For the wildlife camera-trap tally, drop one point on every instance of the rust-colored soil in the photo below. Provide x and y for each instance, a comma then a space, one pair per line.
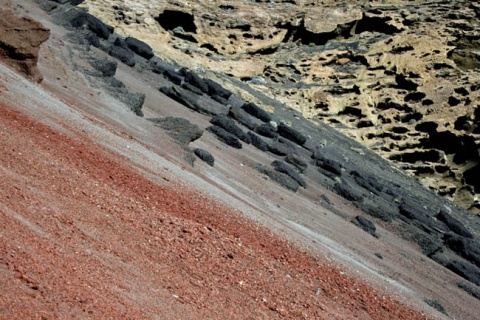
83, 235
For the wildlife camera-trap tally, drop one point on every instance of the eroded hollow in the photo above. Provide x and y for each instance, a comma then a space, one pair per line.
171, 19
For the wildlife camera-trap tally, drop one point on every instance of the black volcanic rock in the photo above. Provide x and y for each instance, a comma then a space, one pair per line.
281, 178
465, 270
82, 19
281, 147
229, 125
467, 248
282, 167
237, 113
214, 89
257, 112
124, 55
348, 190
296, 161
267, 130
202, 104
103, 65
139, 47
366, 225
173, 76
181, 130
454, 224
257, 142
225, 137
415, 211
194, 80
205, 156
291, 134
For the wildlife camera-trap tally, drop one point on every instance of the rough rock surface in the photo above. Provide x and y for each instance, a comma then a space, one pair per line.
75, 123
401, 77
20, 40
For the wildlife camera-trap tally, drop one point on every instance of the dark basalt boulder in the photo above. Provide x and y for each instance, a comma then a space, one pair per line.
194, 80
291, 134
237, 113
415, 211
180, 129
257, 142
84, 20
470, 289
267, 130
104, 66
229, 125
296, 161
326, 164
159, 66
378, 208
202, 104
436, 305
124, 55
135, 101
324, 200
368, 181
454, 224
48, 6
348, 190
465, 270
225, 136
257, 112
173, 76
205, 156
139, 47
214, 89
280, 178
429, 244
194, 89
281, 147
366, 225
282, 167
465, 247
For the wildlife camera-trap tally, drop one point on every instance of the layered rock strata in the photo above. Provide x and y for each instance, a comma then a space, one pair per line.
303, 150
400, 77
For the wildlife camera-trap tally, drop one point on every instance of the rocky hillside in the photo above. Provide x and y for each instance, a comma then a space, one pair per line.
401, 77
140, 186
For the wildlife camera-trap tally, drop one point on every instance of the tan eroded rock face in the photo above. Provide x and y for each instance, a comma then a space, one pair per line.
20, 40
401, 77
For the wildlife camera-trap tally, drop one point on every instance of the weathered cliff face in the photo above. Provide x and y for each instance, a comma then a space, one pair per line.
399, 76
20, 40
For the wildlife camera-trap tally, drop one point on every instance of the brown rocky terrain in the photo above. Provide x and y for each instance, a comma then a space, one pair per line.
107, 210
20, 40
401, 77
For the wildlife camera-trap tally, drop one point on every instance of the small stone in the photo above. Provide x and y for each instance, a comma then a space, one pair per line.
343, 61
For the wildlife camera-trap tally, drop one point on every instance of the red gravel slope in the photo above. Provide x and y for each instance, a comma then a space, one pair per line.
83, 235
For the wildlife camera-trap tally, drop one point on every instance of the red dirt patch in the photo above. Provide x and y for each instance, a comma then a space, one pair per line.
84, 235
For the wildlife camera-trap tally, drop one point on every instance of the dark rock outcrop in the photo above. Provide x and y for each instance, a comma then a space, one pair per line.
229, 125
139, 47
257, 112
181, 130
125, 55
282, 167
281, 178
205, 156
291, 134
257, 142
365, 224
225, 136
